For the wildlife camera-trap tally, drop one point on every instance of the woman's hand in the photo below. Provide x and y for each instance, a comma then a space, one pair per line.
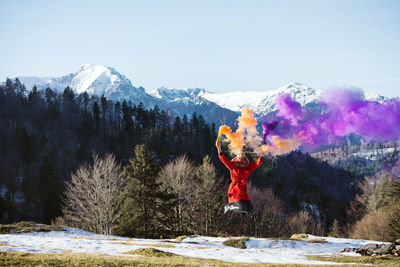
262, 152
218, 145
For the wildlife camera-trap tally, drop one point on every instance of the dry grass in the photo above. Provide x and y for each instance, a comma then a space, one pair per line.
236, 242
304, 238
150, 252
97, 260
145, 245
316, 240
6, 245
27, 227
299, 236
180, 238
388, 261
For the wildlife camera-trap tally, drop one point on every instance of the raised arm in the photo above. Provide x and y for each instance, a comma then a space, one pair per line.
225, 161
254, 165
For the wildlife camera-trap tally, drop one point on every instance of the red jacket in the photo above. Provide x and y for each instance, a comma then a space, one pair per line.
238, 188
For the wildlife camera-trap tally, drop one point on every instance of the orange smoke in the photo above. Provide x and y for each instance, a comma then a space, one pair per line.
223, 129
281, 146
246, 126
247, 122
235, 139
266, 149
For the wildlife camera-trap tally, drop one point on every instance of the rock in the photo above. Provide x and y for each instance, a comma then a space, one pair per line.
349, 250
397, 242
396, 250
377, 249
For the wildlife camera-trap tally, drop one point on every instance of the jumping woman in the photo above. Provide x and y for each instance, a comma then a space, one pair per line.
240, 169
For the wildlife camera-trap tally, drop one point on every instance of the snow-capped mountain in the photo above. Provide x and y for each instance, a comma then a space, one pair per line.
236, 100
260, 102
102, 80
264, 102
95, 80
214, 107
171, 94
301, 93
187, 101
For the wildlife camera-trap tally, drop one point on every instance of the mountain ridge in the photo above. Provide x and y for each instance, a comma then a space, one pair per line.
103, 80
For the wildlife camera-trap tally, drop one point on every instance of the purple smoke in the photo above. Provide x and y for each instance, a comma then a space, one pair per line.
343, 112
289, 109
267, 127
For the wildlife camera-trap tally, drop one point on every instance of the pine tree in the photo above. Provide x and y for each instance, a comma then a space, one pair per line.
96, 115
117, 109
34, 96
334, 230
68, 98
49, 95
104, 110
85, 102
19, 88
127, 118
49, 192
25, 146
9, 87
2, 207
141, 196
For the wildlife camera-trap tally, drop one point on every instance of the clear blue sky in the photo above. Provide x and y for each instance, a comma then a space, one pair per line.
218, 45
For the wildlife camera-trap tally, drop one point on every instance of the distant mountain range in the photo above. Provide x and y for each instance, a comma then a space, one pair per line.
214, 107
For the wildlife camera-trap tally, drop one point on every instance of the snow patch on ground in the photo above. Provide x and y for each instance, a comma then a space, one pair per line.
259, 250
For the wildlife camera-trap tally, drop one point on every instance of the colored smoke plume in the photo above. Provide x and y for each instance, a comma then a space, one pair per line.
280, 145
344, 111
224, 130
267, 127
246, 133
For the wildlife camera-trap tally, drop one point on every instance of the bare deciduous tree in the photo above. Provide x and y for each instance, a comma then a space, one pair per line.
370, 200
267, 220
177, 177
302, 223
91, 197
373, 226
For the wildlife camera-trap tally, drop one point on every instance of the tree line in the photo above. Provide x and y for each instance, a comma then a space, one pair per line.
46, 135
143, 199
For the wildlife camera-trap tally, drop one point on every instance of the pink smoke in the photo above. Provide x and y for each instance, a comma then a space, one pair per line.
344, 111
